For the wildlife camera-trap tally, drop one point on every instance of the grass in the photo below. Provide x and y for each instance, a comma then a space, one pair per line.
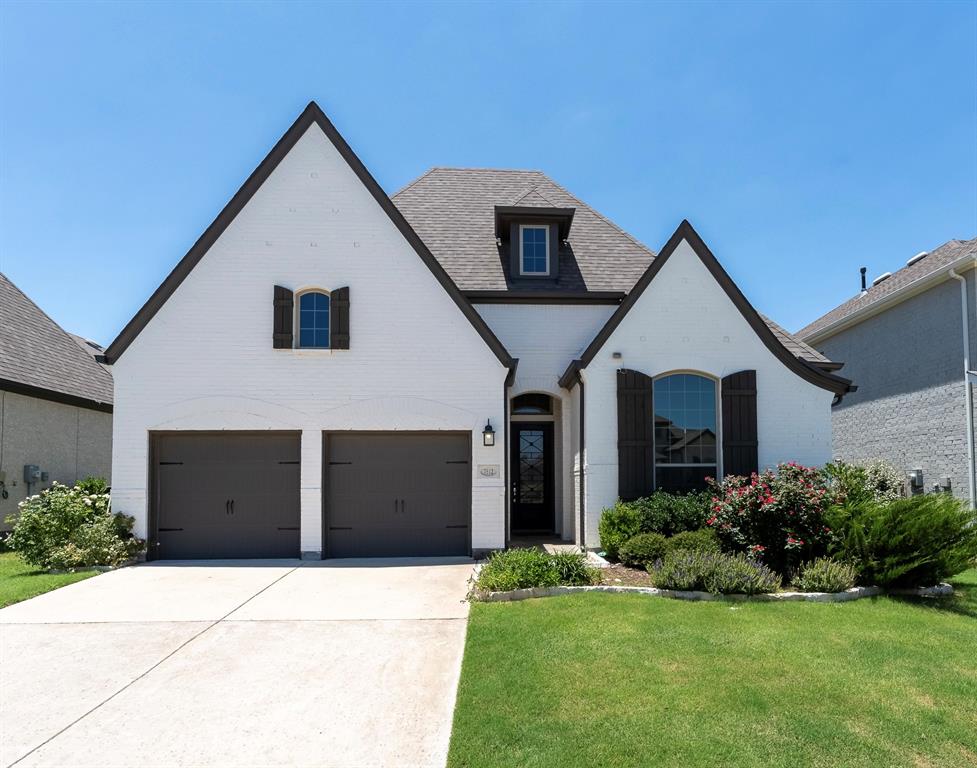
625, 680
19, 581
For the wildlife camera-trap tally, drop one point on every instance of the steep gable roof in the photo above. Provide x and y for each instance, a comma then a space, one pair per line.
808, 371
902, 280
452, 209
312, 115
40, 359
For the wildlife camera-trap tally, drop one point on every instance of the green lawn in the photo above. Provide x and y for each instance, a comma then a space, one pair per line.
625, 680
18, 581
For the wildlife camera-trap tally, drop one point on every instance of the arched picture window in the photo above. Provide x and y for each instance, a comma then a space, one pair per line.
532, 404
313, 320
685, 431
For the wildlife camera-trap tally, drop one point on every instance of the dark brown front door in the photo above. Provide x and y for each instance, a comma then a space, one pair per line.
226, 495
397, 494
531, 454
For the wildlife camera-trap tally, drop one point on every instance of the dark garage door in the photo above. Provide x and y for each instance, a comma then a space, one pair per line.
397, 495
231, 494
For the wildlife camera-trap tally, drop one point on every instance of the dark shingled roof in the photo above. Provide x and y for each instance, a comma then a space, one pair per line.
453, 212
36, 353
935, 260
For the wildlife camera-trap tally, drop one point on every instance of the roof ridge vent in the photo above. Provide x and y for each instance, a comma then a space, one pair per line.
884, 276
916, 258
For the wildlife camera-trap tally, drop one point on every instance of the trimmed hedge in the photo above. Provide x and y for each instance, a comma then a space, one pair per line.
644, 549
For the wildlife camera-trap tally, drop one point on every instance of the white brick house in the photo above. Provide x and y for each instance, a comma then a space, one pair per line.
331, 372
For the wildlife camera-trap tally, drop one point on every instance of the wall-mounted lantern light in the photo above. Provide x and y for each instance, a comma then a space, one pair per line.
488, 434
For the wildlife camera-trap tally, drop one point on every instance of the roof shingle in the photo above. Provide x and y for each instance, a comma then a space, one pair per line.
36, 352
932, 262
453, 212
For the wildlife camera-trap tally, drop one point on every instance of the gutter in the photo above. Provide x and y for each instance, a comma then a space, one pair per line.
896, 297
968, 388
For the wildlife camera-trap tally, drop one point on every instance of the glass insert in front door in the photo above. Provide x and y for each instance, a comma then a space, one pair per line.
532, 472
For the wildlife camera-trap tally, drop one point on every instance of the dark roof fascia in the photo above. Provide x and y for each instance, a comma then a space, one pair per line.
807, 371
571, 376
527, 213
510, 377
64, 398
545, 297
828, 366
311, 114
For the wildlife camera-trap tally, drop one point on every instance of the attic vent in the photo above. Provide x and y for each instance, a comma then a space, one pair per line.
881, 278
916, 258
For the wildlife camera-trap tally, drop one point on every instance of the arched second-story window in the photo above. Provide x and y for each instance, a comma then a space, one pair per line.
685, 431
313, 320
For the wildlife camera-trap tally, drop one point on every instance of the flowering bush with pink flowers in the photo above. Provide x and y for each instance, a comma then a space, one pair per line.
776, 517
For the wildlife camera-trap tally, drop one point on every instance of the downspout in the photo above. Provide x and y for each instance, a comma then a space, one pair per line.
968, 389
583, 474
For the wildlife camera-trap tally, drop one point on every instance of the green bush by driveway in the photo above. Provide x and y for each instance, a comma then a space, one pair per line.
625, 680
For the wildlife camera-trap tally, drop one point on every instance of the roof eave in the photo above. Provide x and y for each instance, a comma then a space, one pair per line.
312, 114
873, 308
685, 231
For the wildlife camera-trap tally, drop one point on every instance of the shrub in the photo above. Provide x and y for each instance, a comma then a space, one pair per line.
618, 524
661, 512
523, 568
572, 569
778, 518
642, 550
876, 481
670, 513
825, 575
703, 540
64, 527
911, 542
713, 572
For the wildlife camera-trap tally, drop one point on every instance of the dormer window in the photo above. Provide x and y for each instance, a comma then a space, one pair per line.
534, 249
529, 240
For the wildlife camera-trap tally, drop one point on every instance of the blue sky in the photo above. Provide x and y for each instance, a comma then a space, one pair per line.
802, 140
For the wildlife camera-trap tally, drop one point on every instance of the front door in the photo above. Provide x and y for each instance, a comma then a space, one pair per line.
531, 454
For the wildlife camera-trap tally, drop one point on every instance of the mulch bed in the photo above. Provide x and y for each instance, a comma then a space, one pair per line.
622, 576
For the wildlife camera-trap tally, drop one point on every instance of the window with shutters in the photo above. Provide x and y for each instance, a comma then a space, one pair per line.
685, 407
313, 320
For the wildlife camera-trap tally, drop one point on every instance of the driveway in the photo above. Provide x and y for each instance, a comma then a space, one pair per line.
333, 663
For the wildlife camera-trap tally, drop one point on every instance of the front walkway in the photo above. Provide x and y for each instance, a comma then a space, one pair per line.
237, 663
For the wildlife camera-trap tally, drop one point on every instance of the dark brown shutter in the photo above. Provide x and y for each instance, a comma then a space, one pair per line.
282, 338
339, 318
739, 424
635, 435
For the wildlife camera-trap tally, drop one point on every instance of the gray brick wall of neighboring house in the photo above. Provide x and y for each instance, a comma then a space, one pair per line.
909, 408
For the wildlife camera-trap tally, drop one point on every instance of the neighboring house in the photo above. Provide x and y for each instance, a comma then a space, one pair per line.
333, 372
55, 402
908, 342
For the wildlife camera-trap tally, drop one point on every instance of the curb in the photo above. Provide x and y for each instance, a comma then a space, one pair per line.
855, 593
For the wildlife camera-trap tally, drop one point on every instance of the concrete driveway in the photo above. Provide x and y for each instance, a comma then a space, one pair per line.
338, 663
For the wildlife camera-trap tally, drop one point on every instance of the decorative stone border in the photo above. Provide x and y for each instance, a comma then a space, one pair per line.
855, 593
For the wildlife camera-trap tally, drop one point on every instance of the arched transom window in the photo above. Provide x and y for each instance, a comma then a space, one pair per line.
314, 320
685, 431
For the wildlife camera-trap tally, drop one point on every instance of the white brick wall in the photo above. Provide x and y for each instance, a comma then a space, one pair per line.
545, 338
685, 321
205, 361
